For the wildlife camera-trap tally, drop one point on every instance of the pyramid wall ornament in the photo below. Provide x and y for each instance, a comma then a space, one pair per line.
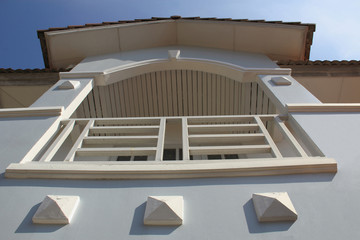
164, 210
56, 209
282, 81
275, 206
69, 84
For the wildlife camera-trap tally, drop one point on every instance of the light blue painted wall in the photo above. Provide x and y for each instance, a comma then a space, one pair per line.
327, 204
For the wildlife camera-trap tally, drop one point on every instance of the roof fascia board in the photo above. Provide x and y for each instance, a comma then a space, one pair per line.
120, 25
125, 25
253, 24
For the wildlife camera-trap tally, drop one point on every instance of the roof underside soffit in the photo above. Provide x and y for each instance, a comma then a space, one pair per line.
277, 41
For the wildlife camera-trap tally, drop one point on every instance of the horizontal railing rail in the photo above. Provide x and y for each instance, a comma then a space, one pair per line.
203, 137
173, 147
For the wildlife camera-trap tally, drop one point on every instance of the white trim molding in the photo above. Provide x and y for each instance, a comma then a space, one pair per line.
31, 112
172, 170
323, 107
116, 74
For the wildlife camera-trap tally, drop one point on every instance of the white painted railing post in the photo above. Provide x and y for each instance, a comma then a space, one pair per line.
54, 147
161, 140
70, 156
274, 149
288, 135
185, 139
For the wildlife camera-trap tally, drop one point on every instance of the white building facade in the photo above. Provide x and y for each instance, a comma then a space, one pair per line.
194, 112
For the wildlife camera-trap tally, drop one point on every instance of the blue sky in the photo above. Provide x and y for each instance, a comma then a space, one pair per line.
337, 35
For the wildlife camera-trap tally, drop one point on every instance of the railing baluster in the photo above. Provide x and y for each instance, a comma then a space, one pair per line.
51, 151
205, 133
274, 149
161, 140
185, 139
287, 134
70, 156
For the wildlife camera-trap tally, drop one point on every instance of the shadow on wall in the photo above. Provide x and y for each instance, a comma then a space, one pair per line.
27, 226
138, 227
256, 227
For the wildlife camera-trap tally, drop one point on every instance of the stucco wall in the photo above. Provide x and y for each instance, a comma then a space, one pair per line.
217, 208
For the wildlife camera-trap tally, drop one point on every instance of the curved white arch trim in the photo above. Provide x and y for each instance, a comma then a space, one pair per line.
235, 72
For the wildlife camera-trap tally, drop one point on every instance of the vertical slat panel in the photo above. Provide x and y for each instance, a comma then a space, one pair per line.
80, 113
195, 93
179, 93
272, 108
199, 93
149, 94
97, 103
253, 98
247, 98
204, 91
242, 97
190, 81
120, 88
213, 94
86, 107
223, 95
237, 93
174, 93
117, 100
135, 96
227, 96
112, 100
231, 96
128, 109
169, 93
154, 94
260, 94
144, 94
209, 93
218, 95
184, 92
140, 96
108, 101
164, 93
92, 104
159, 93
265, 104
102, 98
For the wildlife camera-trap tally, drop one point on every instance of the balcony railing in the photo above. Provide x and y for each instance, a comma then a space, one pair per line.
242, 145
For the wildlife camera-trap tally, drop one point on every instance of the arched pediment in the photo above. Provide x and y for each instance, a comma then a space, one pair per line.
239, 66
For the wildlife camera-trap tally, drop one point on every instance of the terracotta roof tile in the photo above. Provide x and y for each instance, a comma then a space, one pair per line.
35, 70
175, 17
319, 62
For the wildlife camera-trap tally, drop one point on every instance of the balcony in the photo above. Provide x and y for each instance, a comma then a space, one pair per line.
173, 147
